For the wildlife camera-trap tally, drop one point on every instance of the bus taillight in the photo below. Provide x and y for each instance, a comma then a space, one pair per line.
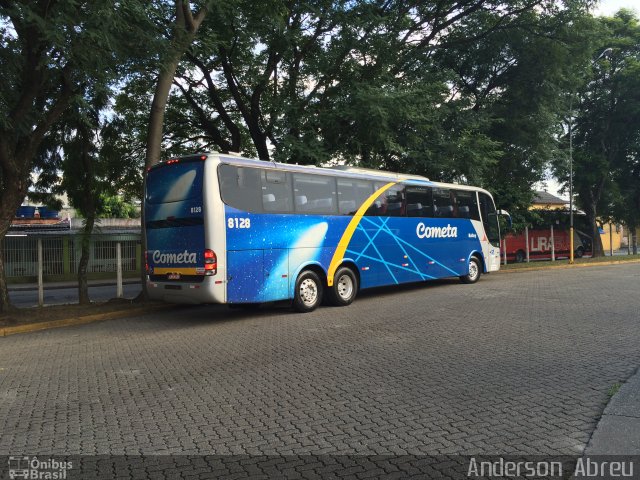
210, 262
146, 262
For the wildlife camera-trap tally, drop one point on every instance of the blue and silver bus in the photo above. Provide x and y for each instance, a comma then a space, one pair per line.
221, 228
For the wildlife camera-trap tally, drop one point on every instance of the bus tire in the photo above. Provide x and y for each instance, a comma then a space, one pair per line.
579, 252
307, 294
520, 256
475, 270
344, 289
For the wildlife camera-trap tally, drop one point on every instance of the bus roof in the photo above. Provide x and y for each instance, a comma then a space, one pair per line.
338, 171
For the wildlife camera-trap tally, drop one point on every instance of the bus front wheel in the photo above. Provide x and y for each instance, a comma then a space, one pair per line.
308, 292
344, 289
475, 270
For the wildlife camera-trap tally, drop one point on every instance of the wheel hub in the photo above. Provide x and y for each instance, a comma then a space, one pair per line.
345, 287
473, 270
308, 292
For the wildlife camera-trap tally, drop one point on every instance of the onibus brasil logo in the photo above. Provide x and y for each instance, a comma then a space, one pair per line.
36, 469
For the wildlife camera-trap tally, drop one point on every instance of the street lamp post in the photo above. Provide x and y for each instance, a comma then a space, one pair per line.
571, 181
605, 53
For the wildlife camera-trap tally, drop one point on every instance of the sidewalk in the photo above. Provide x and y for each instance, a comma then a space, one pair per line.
21, 287
618, 432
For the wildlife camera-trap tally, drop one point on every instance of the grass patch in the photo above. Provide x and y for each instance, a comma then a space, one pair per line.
614, 389
549, 263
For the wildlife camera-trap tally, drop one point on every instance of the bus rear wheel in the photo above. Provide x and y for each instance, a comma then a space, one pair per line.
474, 271
344, 289
308, 292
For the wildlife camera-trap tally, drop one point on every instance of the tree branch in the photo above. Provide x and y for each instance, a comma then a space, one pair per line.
204, 120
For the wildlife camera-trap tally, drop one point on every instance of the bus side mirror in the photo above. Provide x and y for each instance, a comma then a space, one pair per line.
504, 213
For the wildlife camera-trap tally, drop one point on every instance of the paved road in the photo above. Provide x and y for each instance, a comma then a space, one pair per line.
519, 363
59, 296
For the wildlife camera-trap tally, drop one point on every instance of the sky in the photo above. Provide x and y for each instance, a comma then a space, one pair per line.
609, 7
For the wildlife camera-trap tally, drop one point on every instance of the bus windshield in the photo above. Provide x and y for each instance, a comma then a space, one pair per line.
175, 183
490, 219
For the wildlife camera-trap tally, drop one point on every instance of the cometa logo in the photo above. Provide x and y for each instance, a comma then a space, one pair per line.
422, 231
164, 258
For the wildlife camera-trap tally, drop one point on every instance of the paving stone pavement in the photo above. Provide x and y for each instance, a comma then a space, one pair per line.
517, 364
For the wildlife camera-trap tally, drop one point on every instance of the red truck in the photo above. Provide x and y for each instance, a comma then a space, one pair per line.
540, 245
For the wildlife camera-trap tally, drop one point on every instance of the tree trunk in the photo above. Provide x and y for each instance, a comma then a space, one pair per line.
5, 303
634, 240
186, 27
83, 284
158, 107
10, 199
591, 210
598, 249
144, 294
154, 146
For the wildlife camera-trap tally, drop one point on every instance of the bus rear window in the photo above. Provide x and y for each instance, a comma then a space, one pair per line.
175, 183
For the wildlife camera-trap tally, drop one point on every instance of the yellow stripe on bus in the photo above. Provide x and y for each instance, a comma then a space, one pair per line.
182, 271
338, 255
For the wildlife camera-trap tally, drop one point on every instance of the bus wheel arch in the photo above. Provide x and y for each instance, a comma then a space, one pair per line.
483, 264
520, 256
346, 284
309, 288
475, 270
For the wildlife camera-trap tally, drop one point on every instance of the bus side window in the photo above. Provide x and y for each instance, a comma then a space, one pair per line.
240, 187
352, 194
467, 204
443, 206
314, 194
390, 203
277, 194
419, 201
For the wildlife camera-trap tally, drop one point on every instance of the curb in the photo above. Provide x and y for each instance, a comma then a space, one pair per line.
618, 430
575, 265
69, 322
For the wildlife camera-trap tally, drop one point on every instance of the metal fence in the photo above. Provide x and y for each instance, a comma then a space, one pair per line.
102, 255
61, 254
20, 257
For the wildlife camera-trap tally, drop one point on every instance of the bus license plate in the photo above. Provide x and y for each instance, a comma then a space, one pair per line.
173, 276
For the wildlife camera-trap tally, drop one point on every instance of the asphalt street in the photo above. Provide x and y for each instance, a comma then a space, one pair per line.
519, 363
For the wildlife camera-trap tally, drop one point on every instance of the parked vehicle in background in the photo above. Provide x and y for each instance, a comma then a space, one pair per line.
540, 245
